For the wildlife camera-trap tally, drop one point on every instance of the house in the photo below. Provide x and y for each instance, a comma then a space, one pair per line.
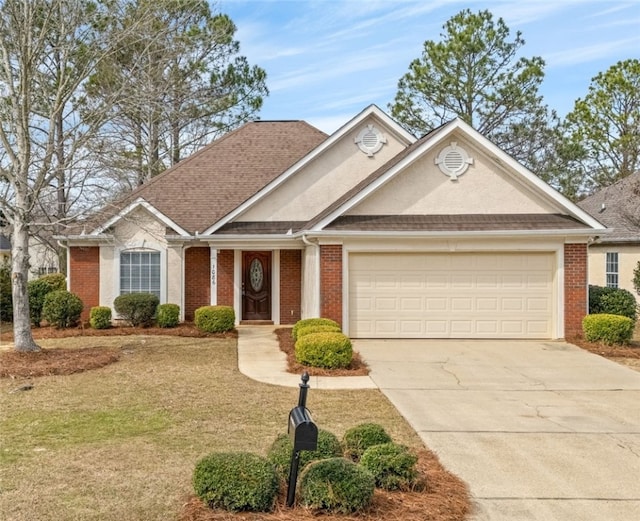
43, 259
613, 257
392, 236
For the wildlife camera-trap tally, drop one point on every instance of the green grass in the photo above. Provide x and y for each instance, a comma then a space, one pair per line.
121, 442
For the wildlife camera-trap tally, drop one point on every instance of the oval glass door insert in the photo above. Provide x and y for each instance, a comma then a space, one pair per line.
256, 275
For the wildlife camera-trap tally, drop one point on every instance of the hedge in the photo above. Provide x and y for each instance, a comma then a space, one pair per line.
606, 328
215, 319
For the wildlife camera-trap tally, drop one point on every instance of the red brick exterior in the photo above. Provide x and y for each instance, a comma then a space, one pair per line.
225, 278
84, 276
197, 280
290, 286
575, 288
331, 282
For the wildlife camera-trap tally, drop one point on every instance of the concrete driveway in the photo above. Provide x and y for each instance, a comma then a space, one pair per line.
539, 430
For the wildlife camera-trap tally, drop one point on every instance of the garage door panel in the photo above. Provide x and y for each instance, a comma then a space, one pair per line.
451, 295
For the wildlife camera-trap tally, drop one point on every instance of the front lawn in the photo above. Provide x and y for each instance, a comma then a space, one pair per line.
120, 442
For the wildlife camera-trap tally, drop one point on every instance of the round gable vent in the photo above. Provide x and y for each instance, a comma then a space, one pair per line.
370, 140
453, 161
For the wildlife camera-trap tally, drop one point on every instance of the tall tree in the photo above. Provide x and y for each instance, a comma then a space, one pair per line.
605, 125
186, 84
474, 73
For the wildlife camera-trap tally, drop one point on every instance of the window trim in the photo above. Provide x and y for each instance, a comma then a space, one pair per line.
145, 246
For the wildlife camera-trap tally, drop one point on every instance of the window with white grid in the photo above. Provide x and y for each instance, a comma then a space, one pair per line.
612, 269
140, 272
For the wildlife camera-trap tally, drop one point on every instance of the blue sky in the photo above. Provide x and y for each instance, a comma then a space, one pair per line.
326, 60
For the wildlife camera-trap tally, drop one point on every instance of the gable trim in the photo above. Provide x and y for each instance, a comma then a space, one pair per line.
140, 203
371, 110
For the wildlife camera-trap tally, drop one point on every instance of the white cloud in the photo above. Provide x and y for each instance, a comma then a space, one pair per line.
588, 53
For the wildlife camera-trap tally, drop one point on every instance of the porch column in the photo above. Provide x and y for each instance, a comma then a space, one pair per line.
311, 281
214, 275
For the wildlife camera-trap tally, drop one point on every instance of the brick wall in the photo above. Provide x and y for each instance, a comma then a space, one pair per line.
331, 282
575, 288
290, 286
84, 278
225, 278
197, 280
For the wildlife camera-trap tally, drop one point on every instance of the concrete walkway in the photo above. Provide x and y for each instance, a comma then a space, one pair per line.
260, 358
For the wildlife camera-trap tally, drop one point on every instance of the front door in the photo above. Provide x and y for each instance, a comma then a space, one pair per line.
256, 285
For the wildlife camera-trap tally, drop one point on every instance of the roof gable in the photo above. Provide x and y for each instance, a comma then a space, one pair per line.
527, 183
370, 114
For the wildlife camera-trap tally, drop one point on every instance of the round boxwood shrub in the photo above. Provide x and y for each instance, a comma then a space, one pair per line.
236, 481
38, 289
328, 350
308, 330
215, 319
306, 322
62, 308
168, 315
359, 438
606, 328
282, 448
137, 308
613, 301
393, 466
336, 485
100, 317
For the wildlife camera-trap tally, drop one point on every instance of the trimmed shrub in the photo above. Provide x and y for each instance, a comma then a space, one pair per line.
236, 481
215, 319
612, 301
336, 485
393, 466
305, 322
282, 449
328, 350
137, 308
309, 330
607, 328
62, 308
6, 299
359, 438
168, 315
38, 290
100, 317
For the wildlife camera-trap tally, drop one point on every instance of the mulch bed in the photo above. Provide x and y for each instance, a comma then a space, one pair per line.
443, 497
632, 350
356, 368
48, 362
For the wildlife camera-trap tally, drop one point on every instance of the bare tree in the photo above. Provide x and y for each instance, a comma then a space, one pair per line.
48, 51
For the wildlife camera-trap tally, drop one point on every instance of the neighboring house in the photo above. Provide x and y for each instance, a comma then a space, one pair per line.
42, 258
5, 249
444, 237
613, 257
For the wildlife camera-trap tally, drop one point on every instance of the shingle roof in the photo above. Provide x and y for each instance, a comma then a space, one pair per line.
457, 223
207, 185
617, 207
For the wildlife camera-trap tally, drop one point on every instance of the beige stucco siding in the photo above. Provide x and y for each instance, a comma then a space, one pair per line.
422, 189
321, 182
140, 230
628, 258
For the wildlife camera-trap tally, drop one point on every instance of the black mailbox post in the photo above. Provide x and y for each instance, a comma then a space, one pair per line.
304, 436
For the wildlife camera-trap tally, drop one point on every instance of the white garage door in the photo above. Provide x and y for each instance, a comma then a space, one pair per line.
454, 295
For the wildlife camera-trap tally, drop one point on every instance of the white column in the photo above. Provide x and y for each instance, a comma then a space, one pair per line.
311, 282
213, 271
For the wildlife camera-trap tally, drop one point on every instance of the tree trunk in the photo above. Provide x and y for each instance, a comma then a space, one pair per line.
22, 336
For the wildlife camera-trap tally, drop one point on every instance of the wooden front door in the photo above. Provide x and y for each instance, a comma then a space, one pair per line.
256, 285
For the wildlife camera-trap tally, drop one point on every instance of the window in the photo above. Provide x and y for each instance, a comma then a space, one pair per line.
612, 269
47, 270
140, 272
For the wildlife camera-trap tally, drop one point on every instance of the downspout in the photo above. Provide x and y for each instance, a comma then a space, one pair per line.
315, 311
68, 262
